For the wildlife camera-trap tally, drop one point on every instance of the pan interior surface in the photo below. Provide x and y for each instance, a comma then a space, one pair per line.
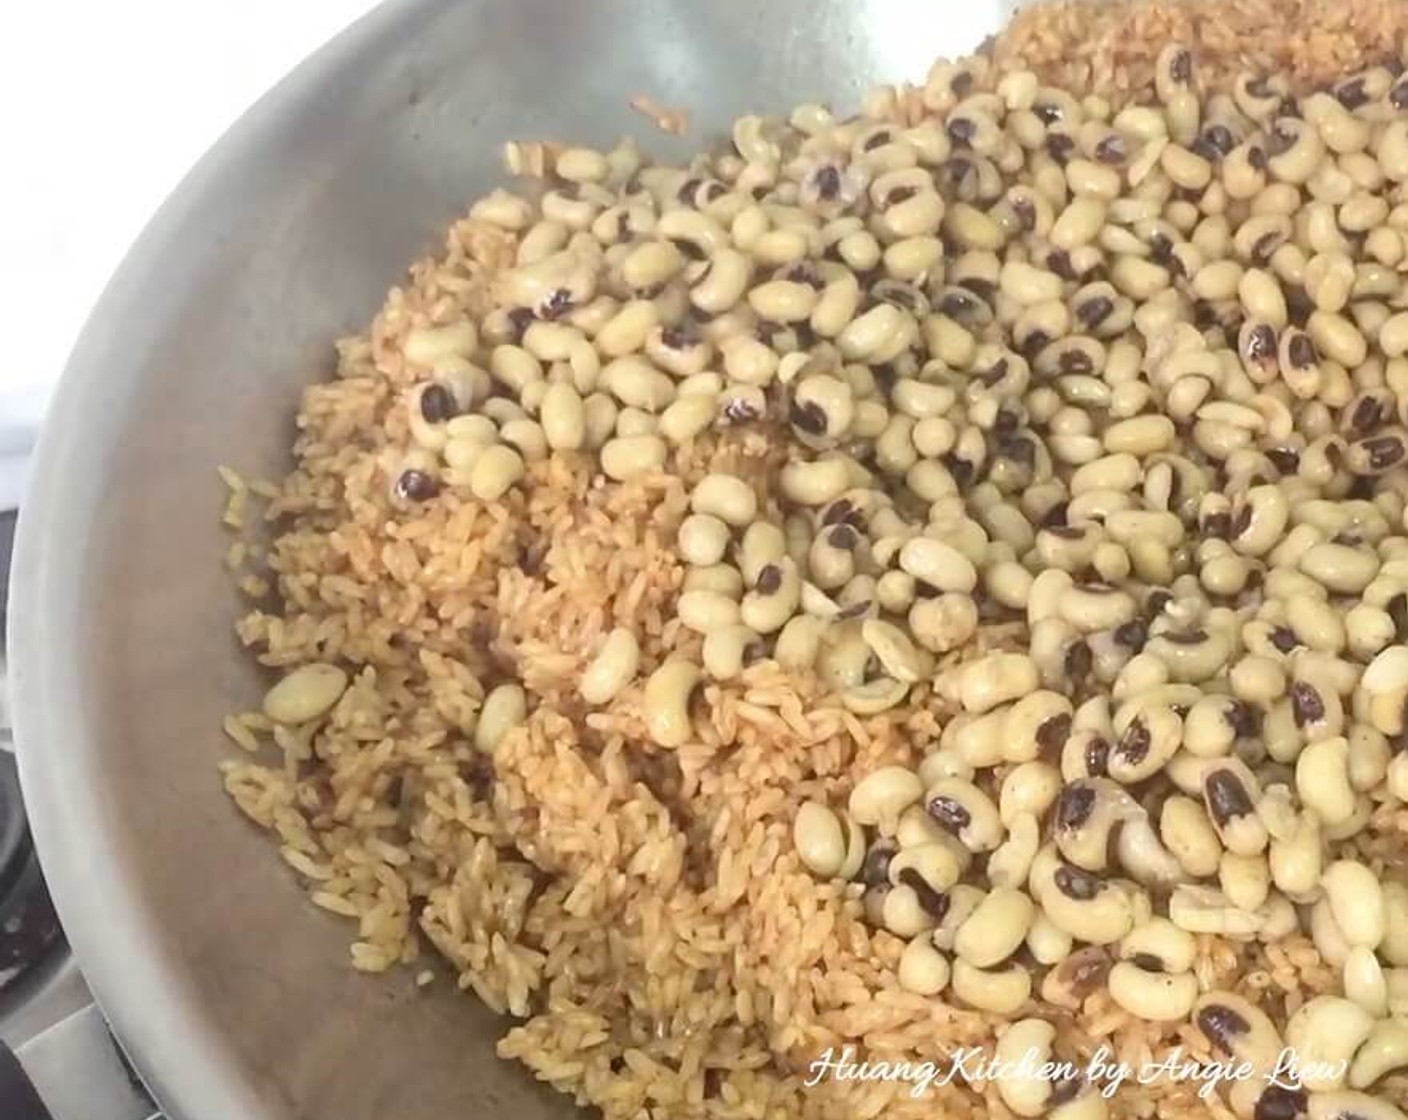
232, 993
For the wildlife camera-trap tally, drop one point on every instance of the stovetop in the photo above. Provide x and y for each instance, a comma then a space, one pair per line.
58, 1061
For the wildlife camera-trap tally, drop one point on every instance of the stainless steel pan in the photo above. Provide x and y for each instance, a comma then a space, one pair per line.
232, 994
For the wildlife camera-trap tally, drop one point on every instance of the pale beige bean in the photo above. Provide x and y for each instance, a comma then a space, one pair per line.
998, 991
819, 840
305, 694
1324, 1034
613, 667
1152, 996
627, 457
883, 794
505, 708
996, 929
1356, 901
666, 702
923, 969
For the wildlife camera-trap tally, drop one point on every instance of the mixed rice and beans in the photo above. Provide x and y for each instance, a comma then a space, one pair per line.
924, 579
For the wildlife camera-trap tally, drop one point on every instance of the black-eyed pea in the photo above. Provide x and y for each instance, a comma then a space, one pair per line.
996, 679
1245, 880
820, 840
1207, 910
1356, 902
627, 457
703, 539
1364, 982
815, 483
1230, 794
922, 968
1088, 811
938, 565
305, 694
966, 811
1010, 863
881, 796
1047, 944
1025, 1047
1324, 1032
1037, 725
1341, 568
1146, 740
1076, 976
1143, 855
903, 910
944, 622
599, 421
999, 991
1152, 995
725, 497
612, 669
705, 611
1089, 907
668, 692
1322, 780
721, 579
799, 642
1238, 1028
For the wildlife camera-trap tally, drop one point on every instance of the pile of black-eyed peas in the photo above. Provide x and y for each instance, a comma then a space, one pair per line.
1095, 423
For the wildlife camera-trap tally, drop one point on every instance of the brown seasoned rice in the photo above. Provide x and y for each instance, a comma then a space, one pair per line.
642, 913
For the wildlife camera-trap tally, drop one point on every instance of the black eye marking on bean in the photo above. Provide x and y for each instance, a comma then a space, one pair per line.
1095, 311
1132, 635
855, 610
1284, 459
519, 319
437, 404
687, 189
1217, 526
1256, 158
1227, 797
1366, 416
1149, 962
1242, 718
1384, 451
934, 903
1284, 639
416, 486
1280, 1102
557, 304
1217, 140
828, 182
1074, 806
842, 537
839, 511
1180, 67
1073, 360
1282, 137
949, 813
875, 870
1052, 734
1111, 149
1221, 1025
1134, 744
1097, 757
807, 416
1078, 661
1059, 146
1306, 704
1059, 261
739, 411
769, 579
1077, 884
1301, 351
880, 139
961, 130
1047, 113
1352, 94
